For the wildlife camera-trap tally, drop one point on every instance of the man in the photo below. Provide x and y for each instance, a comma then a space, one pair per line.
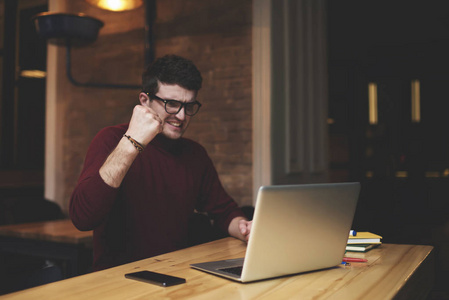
142, 181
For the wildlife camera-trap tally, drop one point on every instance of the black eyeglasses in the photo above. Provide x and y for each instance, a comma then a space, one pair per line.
174, 106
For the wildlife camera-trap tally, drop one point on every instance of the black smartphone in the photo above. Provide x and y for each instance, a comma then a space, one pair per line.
155, 278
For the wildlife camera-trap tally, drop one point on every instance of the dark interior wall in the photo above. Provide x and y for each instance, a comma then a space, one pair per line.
403, 166
389, 43
22, 100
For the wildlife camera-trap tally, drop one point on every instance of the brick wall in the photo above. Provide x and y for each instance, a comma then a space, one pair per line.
216, 35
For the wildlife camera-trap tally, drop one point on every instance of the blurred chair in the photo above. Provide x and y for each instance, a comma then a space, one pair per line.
16, 210
19, 271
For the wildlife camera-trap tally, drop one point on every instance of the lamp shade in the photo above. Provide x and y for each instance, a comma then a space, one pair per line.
116, 5
79, 28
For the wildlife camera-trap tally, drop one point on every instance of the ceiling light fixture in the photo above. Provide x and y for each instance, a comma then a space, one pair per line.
116, 5
80, 29
33, 74
73, 29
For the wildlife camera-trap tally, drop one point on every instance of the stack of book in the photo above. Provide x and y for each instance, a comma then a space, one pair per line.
363, 242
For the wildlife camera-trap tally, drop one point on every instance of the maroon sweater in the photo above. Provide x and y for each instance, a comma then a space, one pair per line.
148, 214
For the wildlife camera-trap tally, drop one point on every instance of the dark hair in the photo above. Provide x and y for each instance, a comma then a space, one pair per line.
171, 69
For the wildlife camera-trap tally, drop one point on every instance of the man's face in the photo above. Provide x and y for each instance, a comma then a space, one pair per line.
174, 124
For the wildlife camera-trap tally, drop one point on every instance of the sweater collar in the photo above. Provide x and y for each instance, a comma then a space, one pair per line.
169, 145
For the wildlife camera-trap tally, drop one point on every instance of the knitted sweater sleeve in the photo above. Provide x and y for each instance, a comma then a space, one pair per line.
215, 200
92, 199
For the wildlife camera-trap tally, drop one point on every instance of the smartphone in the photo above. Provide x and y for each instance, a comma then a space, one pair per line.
155, 278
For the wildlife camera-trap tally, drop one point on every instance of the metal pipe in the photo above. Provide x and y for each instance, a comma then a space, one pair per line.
91, 84
150, 16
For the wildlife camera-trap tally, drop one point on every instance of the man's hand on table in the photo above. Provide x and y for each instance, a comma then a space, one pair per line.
240, 228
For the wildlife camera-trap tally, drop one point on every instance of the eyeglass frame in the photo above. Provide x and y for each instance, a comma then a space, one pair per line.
183, 104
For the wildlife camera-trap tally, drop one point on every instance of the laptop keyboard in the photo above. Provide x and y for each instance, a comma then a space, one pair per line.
233, 270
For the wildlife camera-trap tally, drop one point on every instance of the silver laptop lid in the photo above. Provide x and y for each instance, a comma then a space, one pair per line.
299, 228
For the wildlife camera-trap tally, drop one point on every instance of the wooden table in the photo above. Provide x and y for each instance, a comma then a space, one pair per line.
50, 239
392, 271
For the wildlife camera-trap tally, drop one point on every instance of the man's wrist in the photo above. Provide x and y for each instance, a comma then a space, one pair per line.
118, 163
135, 143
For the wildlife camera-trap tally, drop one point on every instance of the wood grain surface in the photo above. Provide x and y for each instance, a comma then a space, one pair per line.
400, 271
62, 231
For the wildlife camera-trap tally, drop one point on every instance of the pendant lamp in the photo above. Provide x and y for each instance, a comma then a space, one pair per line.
116, 5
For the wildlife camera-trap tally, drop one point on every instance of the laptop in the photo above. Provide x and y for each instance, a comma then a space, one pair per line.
296, 229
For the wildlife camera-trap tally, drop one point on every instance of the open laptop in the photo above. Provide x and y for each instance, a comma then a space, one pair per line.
296, 228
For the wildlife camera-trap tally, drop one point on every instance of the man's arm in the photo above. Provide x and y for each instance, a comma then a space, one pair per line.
118, 163
240, 228
105, 168
145, 124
